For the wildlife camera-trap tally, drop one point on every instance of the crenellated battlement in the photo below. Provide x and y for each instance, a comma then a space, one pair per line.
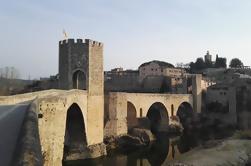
93, 43
81, 41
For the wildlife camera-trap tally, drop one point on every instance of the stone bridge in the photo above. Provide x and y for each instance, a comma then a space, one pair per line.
63, 119
124, 111
71, 124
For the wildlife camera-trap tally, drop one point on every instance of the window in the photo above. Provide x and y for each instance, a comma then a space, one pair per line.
141, 112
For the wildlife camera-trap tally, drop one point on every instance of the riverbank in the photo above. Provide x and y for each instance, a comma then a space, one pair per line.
221, 153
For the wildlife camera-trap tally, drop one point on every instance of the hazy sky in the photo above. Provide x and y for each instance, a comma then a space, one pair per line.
133, 31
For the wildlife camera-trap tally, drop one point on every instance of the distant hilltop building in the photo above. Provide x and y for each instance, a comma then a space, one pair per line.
159, 68
218, 63
153, 76
208, 57
117, 69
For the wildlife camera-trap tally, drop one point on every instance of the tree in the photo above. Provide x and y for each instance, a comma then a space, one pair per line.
220, 62
236, 63
200, 64
208, 64
9, 73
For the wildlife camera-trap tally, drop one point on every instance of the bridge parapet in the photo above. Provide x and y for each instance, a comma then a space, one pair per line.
14, 99
143, 101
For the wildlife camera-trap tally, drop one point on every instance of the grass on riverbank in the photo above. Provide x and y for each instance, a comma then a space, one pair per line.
246, 134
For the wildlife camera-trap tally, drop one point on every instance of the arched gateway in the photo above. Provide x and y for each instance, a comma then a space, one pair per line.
185, 113
132, 120
75, 134
79, 80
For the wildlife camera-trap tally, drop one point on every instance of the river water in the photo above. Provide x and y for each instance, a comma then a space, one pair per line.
165, 148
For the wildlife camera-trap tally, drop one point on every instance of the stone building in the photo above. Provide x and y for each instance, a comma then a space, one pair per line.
206, 83
120, 72
152, 77
208, 57
159, 68
221, 103
243, 102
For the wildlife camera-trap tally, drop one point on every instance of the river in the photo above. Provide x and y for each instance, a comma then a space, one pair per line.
165, 148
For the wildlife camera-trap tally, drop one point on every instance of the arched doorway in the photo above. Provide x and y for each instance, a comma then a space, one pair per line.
75, 135
132, 120
79, 80
158, 116
185, 114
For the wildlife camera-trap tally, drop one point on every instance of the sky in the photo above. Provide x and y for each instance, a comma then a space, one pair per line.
133, 31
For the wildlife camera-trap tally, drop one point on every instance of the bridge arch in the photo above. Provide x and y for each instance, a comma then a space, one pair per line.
131, 118
185, 113
79, 80
75, 133
158, 116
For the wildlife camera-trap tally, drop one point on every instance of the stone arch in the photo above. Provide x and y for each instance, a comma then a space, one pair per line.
185, 113
131, 118
79, 80
75, 140
158, 116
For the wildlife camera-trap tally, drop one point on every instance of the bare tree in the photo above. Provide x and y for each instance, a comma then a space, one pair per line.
9, 73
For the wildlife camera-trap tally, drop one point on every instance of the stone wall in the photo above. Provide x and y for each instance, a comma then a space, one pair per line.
52, 123
197, 92
95, 89
28, 148
117, 112
123, 83
226, 96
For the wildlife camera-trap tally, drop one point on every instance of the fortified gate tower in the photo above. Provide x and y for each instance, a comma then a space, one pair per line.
80, 64
81, 67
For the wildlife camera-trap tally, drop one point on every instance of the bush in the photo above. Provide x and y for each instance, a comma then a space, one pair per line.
246, 134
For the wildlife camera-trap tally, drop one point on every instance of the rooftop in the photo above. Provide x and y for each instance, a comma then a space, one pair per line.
160, 63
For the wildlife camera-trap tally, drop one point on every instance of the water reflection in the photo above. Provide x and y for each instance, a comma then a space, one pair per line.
165, 149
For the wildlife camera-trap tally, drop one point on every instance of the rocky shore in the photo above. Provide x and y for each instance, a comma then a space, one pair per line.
220, 153
136, 139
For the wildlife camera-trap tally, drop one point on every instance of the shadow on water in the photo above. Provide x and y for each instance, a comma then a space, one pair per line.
165, 148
